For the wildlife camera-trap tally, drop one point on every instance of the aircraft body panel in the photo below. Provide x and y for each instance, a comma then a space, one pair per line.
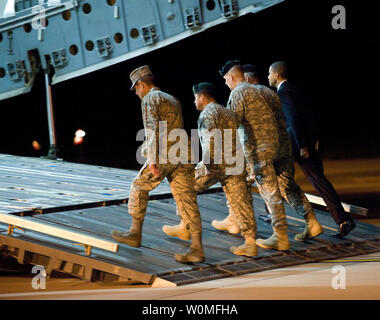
81, 36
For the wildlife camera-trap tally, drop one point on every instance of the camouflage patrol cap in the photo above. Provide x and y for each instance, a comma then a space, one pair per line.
204, 87
228, 66
250, 68
138, 74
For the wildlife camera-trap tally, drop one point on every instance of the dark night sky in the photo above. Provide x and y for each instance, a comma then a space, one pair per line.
337, 69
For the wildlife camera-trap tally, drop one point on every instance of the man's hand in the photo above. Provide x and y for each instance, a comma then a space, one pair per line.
304, 153
155, 171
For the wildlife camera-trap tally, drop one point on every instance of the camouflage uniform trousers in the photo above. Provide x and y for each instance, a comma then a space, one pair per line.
238, 193
181, 180
267, 183
289, 189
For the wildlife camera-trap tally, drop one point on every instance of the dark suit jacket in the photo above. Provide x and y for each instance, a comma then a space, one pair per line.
301, 123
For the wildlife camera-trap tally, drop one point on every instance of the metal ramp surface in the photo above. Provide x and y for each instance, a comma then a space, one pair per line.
154, 262
34, 185
86, 202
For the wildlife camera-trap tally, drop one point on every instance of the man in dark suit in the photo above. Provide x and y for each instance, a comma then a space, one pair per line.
284, 166
304, 134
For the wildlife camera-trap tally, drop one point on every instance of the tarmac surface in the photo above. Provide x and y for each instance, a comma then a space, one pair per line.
314, 281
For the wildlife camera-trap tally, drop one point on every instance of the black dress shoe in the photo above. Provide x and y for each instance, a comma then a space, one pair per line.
344, 229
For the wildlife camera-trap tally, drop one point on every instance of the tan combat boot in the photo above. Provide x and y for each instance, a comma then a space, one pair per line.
131, 237
248, 249
195, 253
277, 241
229, 224
178, 230
313, 228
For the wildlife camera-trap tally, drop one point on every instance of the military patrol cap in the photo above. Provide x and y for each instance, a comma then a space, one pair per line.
204, 87
228, 66
250, 68
138, 74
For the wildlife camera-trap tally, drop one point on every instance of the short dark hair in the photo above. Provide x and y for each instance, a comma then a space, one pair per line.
251, 75
204, 88
281, 68
250, 69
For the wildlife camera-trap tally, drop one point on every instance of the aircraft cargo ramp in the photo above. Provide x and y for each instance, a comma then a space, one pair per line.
66, 212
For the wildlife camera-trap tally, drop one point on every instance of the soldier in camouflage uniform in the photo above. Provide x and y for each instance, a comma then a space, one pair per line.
217, 129
284, 166
160, 108
260, 140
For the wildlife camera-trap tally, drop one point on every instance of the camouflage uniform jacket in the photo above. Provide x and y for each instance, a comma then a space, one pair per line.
217, 128
260, 139
275, 104
161, 113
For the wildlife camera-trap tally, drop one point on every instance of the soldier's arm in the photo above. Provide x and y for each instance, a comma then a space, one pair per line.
236, 104
205, 126
151, 106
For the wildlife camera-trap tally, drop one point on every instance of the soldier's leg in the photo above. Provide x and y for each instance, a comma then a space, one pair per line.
143, 183
239, 195
137, 203
266, 180
179, 230
240, 199
230, 223
182, 185
202, 182
251, 179
293, 194
289, 189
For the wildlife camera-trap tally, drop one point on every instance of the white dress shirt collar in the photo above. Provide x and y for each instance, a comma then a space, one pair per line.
278, 88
